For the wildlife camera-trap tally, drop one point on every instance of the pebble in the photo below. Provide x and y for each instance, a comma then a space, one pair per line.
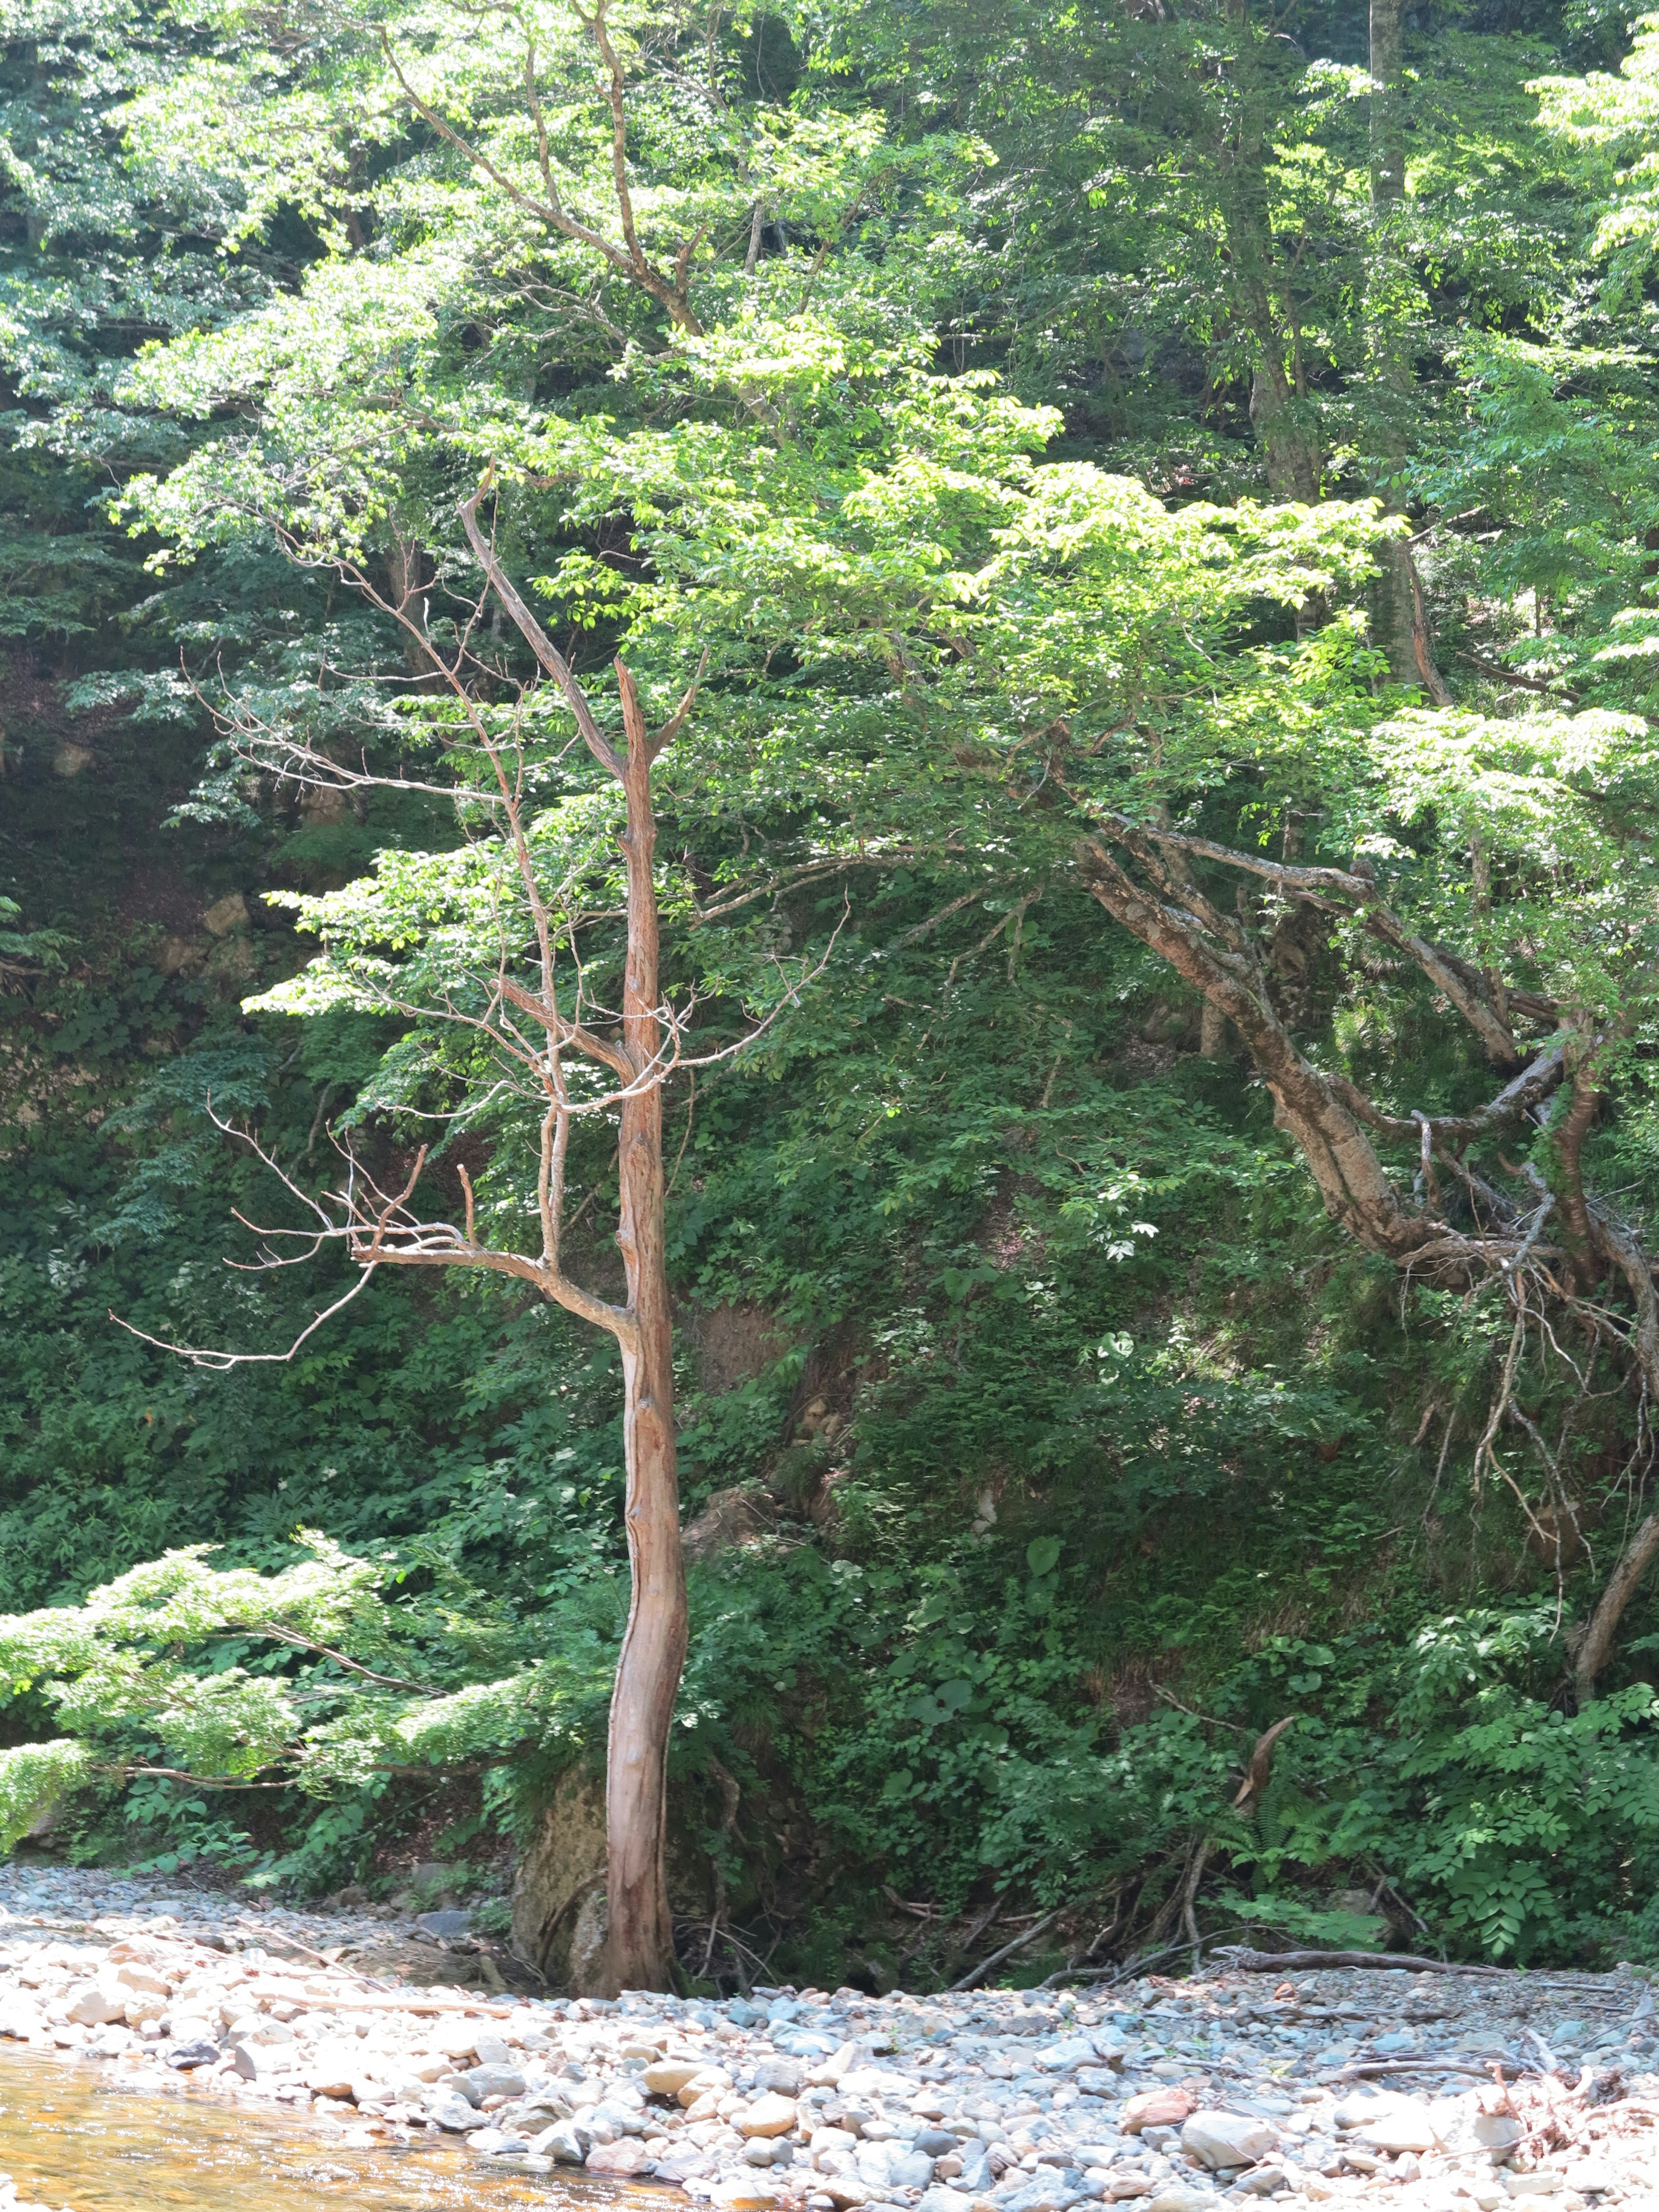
1165, 2096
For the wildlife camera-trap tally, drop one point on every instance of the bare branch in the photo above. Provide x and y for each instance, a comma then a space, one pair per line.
1363, 900
327, 1652
676, 722
222, 1362
670, 295
1527, 1090
535, 636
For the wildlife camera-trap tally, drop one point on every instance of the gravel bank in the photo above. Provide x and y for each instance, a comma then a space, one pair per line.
1162, 2095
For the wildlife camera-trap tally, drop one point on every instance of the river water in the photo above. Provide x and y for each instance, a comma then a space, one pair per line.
69, 2136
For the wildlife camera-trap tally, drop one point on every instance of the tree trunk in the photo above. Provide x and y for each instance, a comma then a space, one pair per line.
1400, 625
1596, 1645
1352, 1181
1286, 427
640, 1937
1388, 133
640, 1941
407, 576
1290, 453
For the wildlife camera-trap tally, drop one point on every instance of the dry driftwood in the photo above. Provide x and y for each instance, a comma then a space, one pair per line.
1264, 1962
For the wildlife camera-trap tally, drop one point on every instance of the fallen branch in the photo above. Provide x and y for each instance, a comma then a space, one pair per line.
1115, 1976
1514, 676
1267, 1962
1366, 2066
419, 2004
292, 1942
918, 1912
1018, 1943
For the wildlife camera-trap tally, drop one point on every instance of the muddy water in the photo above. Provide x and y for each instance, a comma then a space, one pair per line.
69, 2136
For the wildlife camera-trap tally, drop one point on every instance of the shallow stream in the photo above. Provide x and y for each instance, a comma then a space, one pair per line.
69, 2136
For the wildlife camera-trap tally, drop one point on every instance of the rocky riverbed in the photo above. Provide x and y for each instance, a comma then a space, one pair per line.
1442, 2091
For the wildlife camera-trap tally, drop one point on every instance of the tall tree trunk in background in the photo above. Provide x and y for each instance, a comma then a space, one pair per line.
1399, 623
1290, 454
408, 574
1285, 424
640, 1937
1387, 119
1287, 441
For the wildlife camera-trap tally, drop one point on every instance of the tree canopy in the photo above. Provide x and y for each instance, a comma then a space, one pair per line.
1135, 536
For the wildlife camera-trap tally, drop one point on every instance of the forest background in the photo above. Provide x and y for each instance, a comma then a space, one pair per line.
1163, 503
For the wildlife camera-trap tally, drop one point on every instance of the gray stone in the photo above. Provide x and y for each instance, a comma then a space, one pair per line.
1217, 2139
1051, 2190
622, 2120
92, 2007
805, 2042
936, 2142
486, 2141
545, 2109
945, 2197
781, 2076
1497, 2130
481, 2081
1404, 2127
444, 1923
890, 2166
565, 2143
201, 2050
259, 2062
1354, 2112
455, 2114
685, 2164
1061, 2057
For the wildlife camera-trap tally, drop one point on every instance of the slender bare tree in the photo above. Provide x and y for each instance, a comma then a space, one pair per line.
531, 1006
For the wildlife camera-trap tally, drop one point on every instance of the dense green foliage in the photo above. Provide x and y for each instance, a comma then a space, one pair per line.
1016, 409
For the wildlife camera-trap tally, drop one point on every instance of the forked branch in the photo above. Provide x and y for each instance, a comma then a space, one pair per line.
630, 260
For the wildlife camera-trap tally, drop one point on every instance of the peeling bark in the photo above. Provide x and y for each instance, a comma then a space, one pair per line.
640, 1941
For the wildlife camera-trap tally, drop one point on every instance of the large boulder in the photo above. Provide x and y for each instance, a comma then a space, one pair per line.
558, 1892
1219, 2139
558, 1905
